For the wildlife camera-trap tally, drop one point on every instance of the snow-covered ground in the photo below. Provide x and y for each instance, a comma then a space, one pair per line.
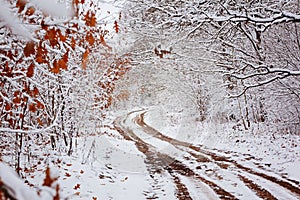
108, 165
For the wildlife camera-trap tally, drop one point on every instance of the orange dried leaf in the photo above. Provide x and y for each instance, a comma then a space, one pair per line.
17, 93
90, 19
16, 99
11, 123
67, 174
41, 54
39, 121
29, 49
56, 197
103, 42
7, 107
63, 62
56, 68
26, 88
32, 107
21, 116
39, 104
116, 26
30, 70
85, 59
90, 38
75, 26
39, 59
48, 180
102, 38
62, 37
10, 54
35, 92
30, 11
52, 36
21, 5
73, 43
75, 2
77, 186
66, 56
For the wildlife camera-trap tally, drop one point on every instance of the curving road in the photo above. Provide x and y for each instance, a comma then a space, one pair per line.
200, 173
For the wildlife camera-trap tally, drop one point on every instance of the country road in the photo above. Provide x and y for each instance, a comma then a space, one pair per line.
197, 172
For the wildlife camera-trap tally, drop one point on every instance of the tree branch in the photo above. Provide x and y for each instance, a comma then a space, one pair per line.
246, 88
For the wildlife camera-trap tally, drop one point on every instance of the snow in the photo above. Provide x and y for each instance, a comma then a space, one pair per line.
14, 185
53, 8
116, 170
292, 170
10, 20
198, 188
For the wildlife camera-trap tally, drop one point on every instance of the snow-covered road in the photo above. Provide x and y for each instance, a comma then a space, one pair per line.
195, 172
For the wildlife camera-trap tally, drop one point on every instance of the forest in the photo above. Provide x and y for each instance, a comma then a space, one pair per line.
70, 69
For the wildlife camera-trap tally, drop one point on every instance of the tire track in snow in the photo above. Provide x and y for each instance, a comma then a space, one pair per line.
160, 161
182, 191
222, 161
261, 192
154, 160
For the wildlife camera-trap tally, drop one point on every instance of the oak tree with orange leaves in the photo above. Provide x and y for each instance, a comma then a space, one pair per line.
57, 72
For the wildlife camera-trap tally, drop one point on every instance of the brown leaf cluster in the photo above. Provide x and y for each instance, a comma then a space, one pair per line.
60, 64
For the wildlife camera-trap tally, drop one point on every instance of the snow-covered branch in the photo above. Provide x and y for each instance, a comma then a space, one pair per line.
260, 83
266, 71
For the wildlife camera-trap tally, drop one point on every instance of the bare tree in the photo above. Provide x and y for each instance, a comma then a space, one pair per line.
250, 48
